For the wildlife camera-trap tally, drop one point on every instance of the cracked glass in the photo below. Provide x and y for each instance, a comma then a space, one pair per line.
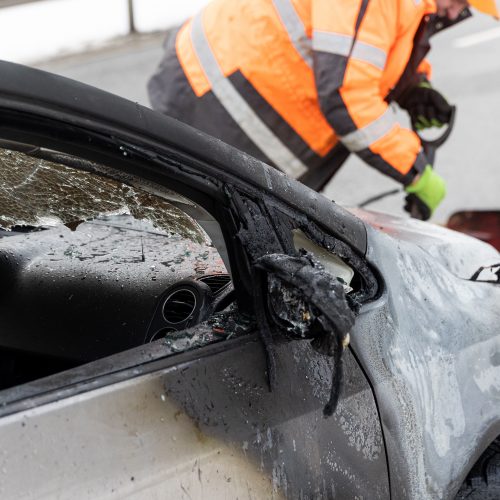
37, 193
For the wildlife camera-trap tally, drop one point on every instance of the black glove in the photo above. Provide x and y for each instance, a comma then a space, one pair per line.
426, 106
425, 193
416, 207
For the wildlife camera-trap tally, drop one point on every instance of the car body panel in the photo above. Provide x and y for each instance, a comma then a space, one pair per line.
459, 253
204, 427
435, 369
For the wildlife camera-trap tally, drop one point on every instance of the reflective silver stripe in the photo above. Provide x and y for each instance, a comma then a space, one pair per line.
335, 43
295, 28
364, 137
332, 43
238, 108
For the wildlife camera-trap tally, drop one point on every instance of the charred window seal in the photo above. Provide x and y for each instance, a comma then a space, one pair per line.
367, 286
275, 222
265, 231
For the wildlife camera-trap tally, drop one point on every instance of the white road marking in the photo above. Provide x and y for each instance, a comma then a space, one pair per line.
477, 38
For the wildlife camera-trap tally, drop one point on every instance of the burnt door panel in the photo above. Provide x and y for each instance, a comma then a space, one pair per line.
283, 433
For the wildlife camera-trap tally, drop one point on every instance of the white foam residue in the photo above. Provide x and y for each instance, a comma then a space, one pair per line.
48, 221
434, 382
447, 418
488, 379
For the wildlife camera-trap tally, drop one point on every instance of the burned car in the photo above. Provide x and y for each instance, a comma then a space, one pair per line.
180, 320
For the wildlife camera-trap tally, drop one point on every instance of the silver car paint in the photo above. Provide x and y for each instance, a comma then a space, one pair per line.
431, 346
207, 429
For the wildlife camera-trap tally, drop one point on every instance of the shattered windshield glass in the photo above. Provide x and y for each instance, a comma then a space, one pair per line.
38, 193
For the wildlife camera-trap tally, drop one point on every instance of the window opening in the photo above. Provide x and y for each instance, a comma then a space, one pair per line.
86, 261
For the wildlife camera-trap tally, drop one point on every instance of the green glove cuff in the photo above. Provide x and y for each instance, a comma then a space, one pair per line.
430, 188
425, 84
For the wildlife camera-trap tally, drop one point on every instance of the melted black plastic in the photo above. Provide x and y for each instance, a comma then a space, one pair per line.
326, 315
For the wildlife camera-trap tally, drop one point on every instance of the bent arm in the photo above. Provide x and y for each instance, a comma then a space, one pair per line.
351, 43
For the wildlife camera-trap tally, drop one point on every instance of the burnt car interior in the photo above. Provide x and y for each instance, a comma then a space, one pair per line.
93, 266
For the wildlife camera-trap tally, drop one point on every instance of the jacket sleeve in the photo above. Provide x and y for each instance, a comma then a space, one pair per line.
351, 43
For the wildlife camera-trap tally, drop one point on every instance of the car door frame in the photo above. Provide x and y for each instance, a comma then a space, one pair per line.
135, 143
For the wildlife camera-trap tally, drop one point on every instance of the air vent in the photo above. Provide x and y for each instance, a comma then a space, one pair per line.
179, 306
216, 282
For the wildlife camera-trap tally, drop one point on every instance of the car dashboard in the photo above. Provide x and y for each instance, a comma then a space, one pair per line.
74, 294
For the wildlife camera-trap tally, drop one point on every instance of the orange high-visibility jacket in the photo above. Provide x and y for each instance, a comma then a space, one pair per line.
295, 82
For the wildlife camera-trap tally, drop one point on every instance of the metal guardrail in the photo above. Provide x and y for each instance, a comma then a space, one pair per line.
130, 6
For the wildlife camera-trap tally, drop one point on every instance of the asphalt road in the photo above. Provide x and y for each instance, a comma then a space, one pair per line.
466, 62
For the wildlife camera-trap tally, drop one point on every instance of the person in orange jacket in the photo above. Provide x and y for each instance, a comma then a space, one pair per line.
301, 84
